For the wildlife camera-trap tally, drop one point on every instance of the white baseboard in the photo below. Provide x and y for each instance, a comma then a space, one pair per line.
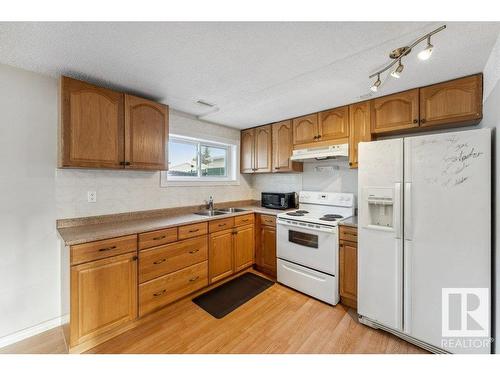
32, 331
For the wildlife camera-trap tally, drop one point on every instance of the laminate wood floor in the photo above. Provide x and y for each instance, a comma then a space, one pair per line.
279, 320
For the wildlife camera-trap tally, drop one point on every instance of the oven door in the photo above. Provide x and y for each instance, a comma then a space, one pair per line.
309, 245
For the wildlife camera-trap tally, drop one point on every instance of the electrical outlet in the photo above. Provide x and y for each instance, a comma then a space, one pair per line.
91, 196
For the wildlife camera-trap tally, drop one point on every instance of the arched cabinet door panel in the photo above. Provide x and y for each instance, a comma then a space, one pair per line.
395, 112
452, 102
334, 124
92, 126
305, 129
359, 129
146, 134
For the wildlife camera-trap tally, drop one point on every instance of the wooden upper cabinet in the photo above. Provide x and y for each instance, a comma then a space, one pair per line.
262, 151
282, 148
103, 296
247, 148
457, 101
146, 134
359, 124
395, 112
333, 124
92, 126
305, 129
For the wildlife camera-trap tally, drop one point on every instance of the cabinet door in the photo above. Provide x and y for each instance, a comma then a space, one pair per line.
103, 296
92, 126
452, 102
247, 146
220, 255
348, 271
146, 134
263, 143
244, 247
359, 124
305, 129
395, 112
267, 258
282, 148
334, 124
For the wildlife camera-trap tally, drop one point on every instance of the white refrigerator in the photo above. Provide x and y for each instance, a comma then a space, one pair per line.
424, 239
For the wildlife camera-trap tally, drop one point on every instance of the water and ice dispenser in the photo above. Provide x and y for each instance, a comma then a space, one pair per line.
380, 202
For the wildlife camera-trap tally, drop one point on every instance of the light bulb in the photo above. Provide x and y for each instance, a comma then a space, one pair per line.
374, 88
427, 52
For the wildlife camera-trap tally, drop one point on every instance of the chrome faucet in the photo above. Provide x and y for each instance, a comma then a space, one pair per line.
210, 203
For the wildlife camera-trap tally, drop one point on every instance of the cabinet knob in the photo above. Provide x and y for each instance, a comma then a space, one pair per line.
319, 136
415, 121
422, 121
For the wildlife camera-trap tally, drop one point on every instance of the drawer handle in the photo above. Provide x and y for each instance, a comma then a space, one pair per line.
221, 225
193, 230
159, 238
268, 221
159, 261
245, 220
157, 294
194, 251
108, 248
194, 279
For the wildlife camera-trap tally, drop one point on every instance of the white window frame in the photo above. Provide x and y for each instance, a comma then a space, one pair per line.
232, 161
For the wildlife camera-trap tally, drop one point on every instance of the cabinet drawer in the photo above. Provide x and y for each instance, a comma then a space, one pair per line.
243, 220
165, 259
348, 233
103, 249
157, 237
171, 287
217, 225
192, 230
268, 220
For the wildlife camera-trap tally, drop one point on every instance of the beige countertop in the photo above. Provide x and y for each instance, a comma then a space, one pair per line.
78, 234
350, 222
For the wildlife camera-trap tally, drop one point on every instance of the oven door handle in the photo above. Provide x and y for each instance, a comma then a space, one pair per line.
331, 230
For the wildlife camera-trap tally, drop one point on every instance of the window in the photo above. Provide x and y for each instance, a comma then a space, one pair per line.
194, 161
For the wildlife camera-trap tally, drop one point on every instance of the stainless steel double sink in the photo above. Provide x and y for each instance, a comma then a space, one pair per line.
219, 211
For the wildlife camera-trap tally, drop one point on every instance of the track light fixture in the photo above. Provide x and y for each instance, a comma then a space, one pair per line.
398, 54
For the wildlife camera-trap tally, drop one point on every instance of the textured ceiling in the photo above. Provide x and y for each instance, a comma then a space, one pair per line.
255, 73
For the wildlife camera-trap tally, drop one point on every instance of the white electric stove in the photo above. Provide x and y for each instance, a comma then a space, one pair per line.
307, 243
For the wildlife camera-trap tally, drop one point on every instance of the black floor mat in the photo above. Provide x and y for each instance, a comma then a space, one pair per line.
222, 300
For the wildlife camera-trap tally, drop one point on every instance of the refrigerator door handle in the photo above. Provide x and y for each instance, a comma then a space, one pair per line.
407, 276
397, 211
408, 224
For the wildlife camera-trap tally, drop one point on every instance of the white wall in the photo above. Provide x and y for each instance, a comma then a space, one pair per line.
341, 179
124, 191
29, 256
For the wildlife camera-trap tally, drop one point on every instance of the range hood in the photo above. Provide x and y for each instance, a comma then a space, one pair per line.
321, 153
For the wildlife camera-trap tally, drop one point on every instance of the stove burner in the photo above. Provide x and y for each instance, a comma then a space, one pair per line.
324, 218
331, 217
302, 212
295, 213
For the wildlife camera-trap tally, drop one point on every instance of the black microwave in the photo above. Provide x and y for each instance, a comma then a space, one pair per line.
280, 201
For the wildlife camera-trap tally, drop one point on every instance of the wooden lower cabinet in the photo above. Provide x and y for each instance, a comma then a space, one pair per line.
231, 250
220, 258
265, 249
244, 253
166, 289
348, 266
103, 296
